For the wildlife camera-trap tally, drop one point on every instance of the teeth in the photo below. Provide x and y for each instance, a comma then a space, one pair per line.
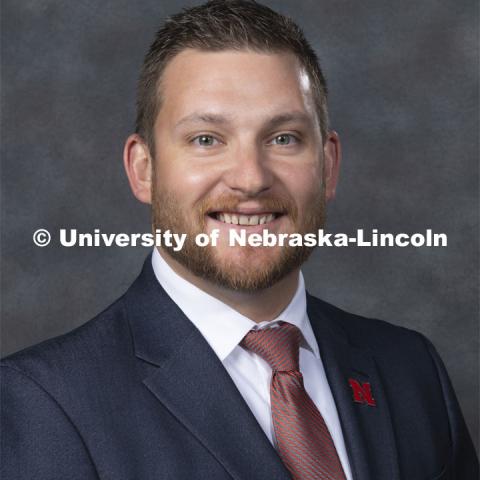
245, 219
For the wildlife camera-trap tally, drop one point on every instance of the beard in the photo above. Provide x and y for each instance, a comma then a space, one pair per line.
253, 268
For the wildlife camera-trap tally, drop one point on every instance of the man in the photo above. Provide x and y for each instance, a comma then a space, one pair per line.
216, 363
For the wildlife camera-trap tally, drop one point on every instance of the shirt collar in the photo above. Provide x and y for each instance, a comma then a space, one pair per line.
222, 326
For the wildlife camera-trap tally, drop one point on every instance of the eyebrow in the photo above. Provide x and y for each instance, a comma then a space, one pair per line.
196, 117
288, 117
219, 119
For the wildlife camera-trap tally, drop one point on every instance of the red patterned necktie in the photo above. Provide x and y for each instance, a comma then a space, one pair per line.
303, 440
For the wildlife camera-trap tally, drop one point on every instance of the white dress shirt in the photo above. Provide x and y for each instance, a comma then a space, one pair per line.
224, 328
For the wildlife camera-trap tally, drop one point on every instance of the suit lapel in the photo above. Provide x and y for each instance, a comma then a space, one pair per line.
367, 430
191, 382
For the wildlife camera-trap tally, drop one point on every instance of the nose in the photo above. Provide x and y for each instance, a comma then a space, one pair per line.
248, 172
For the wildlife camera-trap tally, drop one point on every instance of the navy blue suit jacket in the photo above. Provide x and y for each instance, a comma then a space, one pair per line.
138, 394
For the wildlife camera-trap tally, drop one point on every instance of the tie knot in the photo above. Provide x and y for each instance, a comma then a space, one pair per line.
278, 346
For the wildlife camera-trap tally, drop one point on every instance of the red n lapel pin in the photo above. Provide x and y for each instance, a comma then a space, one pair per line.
362, 392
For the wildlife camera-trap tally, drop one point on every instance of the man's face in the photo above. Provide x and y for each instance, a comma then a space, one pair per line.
237, 140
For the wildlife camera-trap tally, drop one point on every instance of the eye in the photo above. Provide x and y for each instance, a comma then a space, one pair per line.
205, 141
285, 139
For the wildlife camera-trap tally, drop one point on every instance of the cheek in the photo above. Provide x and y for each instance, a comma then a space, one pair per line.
303, 183
184, 180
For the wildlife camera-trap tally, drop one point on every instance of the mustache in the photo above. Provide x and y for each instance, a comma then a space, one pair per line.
229, 203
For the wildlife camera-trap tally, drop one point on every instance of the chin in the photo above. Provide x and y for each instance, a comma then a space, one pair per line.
250, 269
243, 258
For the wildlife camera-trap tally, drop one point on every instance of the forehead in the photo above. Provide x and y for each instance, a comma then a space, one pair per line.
241, 84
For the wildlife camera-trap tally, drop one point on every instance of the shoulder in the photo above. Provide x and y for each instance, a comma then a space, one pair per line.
74, 355
371, 333
48, 390
400, 353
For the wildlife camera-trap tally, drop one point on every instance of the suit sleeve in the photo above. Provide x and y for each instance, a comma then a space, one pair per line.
464, 459
38, 439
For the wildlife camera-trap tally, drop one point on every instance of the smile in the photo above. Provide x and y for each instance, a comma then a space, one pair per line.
242, 219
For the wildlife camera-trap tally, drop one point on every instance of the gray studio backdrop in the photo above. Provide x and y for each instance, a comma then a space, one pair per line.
404, 98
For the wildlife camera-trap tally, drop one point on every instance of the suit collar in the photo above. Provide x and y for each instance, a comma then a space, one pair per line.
191, 382
222, 326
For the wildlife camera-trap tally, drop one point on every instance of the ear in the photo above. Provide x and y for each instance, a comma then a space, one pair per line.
332, 154
138, 165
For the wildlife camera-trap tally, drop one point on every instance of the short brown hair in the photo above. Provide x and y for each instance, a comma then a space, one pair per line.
223, 25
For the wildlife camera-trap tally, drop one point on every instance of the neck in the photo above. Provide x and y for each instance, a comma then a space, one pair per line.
259, 306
